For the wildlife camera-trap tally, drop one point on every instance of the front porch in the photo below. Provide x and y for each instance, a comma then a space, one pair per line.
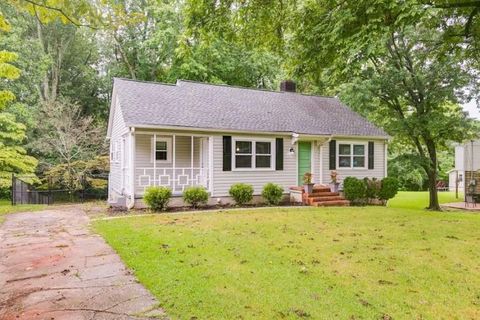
176, 161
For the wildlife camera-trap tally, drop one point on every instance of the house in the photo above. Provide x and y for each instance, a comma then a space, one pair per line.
191, 133
467, 165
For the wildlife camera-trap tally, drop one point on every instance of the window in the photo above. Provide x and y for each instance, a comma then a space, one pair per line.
250, 154
115, 151
351, 155
118, 154
162, 149
112, 151
243, 154
263, 154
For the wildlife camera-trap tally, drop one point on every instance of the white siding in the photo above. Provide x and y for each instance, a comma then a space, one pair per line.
452, 180
144, 149
144, 156
471, 161
459, 158
222, 180
118, 130
378, 170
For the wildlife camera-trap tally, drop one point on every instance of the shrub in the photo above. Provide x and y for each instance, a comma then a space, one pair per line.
242, 193
195, 196
157, 198
272, 193
354, 190
372, 188
388, 189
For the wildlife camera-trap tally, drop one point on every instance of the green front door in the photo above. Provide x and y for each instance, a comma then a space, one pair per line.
304, 159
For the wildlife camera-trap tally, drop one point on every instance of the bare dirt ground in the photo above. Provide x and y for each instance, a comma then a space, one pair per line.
53, 267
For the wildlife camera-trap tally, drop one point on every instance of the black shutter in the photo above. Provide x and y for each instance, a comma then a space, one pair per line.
333, 155
279, 154
371, 152
227, 153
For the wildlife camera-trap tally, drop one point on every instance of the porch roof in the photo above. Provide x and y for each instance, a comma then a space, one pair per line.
198, 105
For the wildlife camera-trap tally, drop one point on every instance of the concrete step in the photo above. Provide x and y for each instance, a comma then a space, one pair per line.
320, 189
323, 194
326, 198
335, 203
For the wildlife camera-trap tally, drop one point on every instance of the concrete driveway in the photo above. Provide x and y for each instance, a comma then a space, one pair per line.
53, 267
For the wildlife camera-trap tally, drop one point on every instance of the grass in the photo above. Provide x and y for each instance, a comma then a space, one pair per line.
316, 263
419, 200
6, 208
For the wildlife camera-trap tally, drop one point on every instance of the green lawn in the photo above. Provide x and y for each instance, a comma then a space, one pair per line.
419, 200
317, 263
6, 208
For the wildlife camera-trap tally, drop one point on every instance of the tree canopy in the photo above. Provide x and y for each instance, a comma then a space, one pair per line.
406, 65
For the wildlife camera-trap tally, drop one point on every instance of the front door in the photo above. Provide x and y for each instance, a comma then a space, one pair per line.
304, 159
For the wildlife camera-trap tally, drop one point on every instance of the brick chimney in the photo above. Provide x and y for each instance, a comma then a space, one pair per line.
288, 86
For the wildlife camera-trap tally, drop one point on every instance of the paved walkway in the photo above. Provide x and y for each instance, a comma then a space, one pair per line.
462, 205
52, 267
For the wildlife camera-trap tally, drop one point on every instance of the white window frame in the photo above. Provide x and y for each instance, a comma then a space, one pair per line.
352, 143
154, 147
118, 153
112, 151
253, 154
115, 151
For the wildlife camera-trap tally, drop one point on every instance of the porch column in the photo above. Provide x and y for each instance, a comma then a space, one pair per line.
131, 201
173, 162
313, 164
191, 159
386, 159
210, 165
321, 163
154, 158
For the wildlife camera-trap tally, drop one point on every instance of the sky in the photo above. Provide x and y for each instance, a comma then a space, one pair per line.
472, 109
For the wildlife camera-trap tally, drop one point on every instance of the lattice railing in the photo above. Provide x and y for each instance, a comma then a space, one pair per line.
177, 179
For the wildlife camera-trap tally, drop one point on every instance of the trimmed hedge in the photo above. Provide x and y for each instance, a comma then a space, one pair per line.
388, 189
361, 192
354, 190
157, 198
272, 193
242, 193
195, 196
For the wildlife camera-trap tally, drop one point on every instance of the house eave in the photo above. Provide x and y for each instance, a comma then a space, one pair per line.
306, 136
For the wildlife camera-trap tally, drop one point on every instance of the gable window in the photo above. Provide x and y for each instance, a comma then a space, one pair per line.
351, 155
252, 154
162, 149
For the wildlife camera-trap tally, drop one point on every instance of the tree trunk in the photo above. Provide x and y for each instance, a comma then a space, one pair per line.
432, 174
432, 189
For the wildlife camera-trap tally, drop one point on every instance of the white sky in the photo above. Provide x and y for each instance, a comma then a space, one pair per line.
472, 109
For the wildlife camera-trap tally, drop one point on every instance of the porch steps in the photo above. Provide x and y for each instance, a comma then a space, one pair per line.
322, 197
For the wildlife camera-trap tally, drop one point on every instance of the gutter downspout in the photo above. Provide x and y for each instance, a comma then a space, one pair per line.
131, 199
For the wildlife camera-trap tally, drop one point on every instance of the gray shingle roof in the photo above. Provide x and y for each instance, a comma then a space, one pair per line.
200, 105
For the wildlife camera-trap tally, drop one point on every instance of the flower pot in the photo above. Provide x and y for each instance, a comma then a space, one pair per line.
308, 187
334, 187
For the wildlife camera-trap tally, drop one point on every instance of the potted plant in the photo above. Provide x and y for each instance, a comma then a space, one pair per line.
307, 182
334, 184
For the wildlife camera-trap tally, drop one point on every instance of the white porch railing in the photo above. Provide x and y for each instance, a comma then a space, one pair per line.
176, 179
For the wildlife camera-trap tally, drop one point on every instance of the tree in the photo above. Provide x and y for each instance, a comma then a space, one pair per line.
13, 158
65, 135
395, 68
